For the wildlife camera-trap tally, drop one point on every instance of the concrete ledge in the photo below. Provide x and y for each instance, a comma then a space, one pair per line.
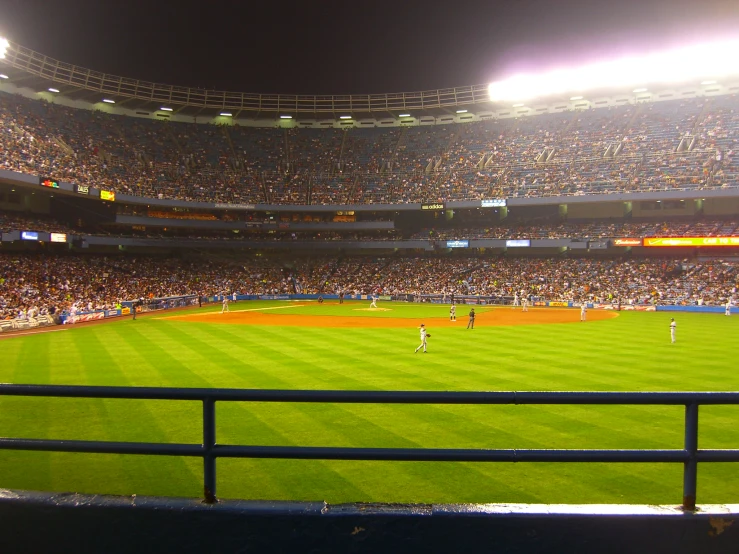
43, 522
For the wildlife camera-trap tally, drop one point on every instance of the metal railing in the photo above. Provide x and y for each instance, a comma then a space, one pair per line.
210, 450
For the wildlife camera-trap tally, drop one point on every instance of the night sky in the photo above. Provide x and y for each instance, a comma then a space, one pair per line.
351, 46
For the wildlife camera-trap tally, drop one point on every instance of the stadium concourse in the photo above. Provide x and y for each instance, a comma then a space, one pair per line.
682, 144
53, 284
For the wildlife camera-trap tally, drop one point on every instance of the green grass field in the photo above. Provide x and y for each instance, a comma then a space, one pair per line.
629, 353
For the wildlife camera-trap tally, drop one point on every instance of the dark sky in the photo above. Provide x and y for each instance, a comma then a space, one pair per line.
350, 46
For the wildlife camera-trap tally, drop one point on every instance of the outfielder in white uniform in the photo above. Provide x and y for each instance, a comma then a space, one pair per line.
423, 340
728, 307
374, 301
525, 304
225, 304
583, 311
453, 313
516, 301
672, 329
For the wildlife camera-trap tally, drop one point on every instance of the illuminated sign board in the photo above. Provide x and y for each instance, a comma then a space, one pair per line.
58, 237
51, 183
107, 195
29, 235
627, 242
432, 206
82, 189
691, 241
497, 203
517, 243
457, 244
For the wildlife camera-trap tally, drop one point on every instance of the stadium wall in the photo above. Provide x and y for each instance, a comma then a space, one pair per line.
84, 523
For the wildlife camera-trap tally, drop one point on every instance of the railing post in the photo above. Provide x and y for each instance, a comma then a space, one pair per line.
690, 471
209, 441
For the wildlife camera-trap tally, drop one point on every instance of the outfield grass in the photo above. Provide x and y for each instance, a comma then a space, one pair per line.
629, 353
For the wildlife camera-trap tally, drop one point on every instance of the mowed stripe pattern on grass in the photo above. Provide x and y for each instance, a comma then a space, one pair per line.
631, 352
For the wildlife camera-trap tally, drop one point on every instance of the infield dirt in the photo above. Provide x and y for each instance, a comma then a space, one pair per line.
493, 317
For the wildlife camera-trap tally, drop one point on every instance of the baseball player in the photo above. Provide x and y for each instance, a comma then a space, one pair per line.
471, 322
374, 301
453, 313
516, 301
525, 304
583, 311
225, 304
672, 329
728, 307
423, 340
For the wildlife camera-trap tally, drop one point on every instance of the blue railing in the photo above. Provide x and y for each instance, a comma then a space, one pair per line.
209, 450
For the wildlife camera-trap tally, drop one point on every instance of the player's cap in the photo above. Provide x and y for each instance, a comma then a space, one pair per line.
422, 325
672, 319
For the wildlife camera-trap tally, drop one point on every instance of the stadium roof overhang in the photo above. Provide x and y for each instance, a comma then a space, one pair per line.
31, 70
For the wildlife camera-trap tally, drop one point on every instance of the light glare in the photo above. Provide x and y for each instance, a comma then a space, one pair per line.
345, 117
165, 109
226, 114
692, 63
108, 101
3, 76
286, 117
404, 115
576, 98
4, 44
461, 111
53, 90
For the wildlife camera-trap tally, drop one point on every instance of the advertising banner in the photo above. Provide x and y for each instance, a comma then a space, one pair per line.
496, 203
627, 242
559, 304
274, 297
691, 241
432, 206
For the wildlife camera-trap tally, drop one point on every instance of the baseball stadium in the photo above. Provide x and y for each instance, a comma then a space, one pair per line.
373, 300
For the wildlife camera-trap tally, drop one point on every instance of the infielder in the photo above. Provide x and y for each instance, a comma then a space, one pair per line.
453, 313
374, 301
225, 304
423, 340
728, 307
672, 329
525, 304
516, 301
583, 311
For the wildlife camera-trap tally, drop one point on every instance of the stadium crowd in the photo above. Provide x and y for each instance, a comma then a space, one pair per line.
655, 146
43, 283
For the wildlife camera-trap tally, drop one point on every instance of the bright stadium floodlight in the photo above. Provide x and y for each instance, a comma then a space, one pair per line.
691, 63
226, 114
461, 111
286, 117
708, 82
165, 109
576, 98
404, 115
53, 89
519, 105
108, 101
3, 76
4, 44
640, 90
345, 117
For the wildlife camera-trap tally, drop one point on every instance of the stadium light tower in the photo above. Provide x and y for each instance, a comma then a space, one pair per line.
4, 44
693, 63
